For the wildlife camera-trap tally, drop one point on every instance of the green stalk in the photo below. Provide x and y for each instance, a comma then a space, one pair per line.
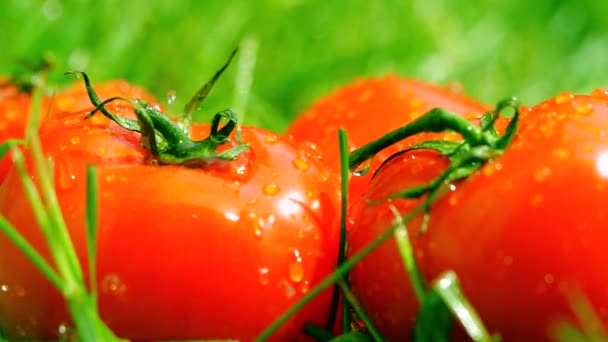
337, 274
27, 249
349, 297
448, 288
91, 223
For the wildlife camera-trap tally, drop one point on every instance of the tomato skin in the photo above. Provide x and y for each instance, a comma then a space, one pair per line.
183, 253
522, 234
367, 109
15, 107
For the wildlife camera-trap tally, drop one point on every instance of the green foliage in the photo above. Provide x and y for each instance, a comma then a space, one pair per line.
495, 49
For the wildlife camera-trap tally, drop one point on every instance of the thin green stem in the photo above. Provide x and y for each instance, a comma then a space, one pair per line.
244, 75
436, 120
449, 290
195, 102
406, 251
31, 191
337, 274
343, 145
92, 223
58, 238
354, 303
27, 249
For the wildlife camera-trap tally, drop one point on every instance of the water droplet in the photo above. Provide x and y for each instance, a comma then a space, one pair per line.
564, 97
71, 122
75, 140
264, 278
363, 168
452, 187
62, 329
310, 150
541, 174
102, 151
231, 216
4, 288
561, 153
99, 120
415, 103
549, 278
112, 284
66, 177
305, 286
258, 225
323, 177
584, 109
271, 139
272, 189
290, 291
296, 271
171, 96
300, 164
600, 92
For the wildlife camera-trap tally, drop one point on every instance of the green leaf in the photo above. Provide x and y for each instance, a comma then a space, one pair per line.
352, 337
445, 147
406, 251
448, 288
434, 320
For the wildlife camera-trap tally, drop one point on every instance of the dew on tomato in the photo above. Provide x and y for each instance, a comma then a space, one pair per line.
526, 231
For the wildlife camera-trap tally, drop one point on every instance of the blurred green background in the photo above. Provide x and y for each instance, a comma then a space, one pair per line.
301, 49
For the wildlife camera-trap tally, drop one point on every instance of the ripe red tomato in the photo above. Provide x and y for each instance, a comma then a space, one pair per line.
183, 253
367, 109
15, 107
522, 233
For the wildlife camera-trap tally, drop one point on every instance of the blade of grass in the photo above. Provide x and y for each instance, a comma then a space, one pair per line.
244, 75
13, 234
448, 288
354, 303
59, 240
344, 175
407, 255
91, 223
7, 145
316, 332
340, 272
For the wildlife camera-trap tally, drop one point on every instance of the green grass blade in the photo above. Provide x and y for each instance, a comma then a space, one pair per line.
339, 272
13, 234
407, 255
92, 223
58, 237
6, 146
354, 303
448, 288
244, 75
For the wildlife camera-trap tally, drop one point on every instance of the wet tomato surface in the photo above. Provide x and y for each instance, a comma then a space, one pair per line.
218, 251
367, 109
524, 233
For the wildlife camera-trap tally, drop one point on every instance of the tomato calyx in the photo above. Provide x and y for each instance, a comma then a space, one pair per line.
168, 141
479, 145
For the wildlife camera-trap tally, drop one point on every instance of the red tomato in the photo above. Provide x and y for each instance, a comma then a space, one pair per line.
15, 107
184, 253
522, 233
367, 109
